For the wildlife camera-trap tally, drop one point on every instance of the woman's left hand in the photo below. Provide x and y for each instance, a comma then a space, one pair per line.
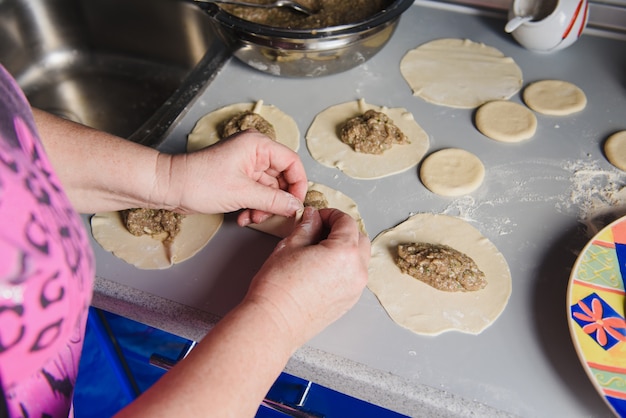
246, 171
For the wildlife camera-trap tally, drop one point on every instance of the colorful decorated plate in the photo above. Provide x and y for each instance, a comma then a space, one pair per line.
595, 310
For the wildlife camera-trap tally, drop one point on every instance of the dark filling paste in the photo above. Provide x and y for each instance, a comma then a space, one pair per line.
327, 13
152, 222
440, 266
315, 199
247, 120
372, 133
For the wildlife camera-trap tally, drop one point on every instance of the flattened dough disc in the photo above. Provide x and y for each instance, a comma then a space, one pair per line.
325, 146
148, 253
207, 130
615, 150
460, 73
452, 172
554, 97
506, 121
424, 309
282, 227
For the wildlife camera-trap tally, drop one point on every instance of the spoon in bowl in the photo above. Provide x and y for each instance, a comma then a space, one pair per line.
292, 5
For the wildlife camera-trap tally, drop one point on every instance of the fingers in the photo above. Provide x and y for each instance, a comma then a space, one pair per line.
268, 201
284, 165
280, 180
344, 231
308, 231
343, 228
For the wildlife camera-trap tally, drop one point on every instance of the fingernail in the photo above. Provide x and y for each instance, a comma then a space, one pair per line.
307, 215
245, 220
264, 217
294, 205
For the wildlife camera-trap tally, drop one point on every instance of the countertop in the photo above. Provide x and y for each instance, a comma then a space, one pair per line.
541, 201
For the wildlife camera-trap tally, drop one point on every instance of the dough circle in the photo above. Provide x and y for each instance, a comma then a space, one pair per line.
207, 129
615, 150
148, 253
424, 309
506, 121
452, 172
323, 142
554, 97
460, 73
282, 227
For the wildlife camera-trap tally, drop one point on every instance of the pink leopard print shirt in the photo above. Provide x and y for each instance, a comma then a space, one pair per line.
46, 270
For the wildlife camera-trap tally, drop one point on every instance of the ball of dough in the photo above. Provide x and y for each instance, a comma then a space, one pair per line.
506, 121
554, 97
615, 150
452, 172
460, 73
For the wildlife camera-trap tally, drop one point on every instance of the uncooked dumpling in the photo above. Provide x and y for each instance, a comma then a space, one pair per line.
325, 146
423, 309
282, 227
460, 73
207, 130
146, 252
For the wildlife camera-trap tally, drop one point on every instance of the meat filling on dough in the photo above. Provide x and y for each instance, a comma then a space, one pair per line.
440, 266
316, 199
372, 133
153, 222
248, 120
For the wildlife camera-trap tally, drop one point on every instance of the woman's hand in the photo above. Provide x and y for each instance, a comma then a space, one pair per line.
315, 275
247, 171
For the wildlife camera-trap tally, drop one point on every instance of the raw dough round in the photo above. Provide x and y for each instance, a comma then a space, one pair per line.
460, 73
452, 172
424, 309
615, 150
554, 97
506, 121
282, 227
148, 253
325, 146
207, 130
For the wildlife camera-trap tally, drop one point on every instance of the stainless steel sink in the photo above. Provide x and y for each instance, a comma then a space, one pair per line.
128, 67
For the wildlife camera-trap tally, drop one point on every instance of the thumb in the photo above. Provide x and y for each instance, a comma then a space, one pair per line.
308, 230
273, 200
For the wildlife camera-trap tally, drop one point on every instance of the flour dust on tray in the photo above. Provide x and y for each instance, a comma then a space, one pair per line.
424, 309
401, 142
223, 122
460, 73
156, 249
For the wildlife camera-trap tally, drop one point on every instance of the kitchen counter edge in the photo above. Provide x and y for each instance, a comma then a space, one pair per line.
354, 379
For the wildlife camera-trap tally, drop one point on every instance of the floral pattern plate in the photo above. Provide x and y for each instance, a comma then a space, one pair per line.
595, 310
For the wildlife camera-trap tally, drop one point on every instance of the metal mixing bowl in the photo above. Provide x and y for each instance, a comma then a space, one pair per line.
306, 52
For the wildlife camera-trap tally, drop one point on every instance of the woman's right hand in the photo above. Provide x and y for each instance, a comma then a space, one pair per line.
315, 275
312, 278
